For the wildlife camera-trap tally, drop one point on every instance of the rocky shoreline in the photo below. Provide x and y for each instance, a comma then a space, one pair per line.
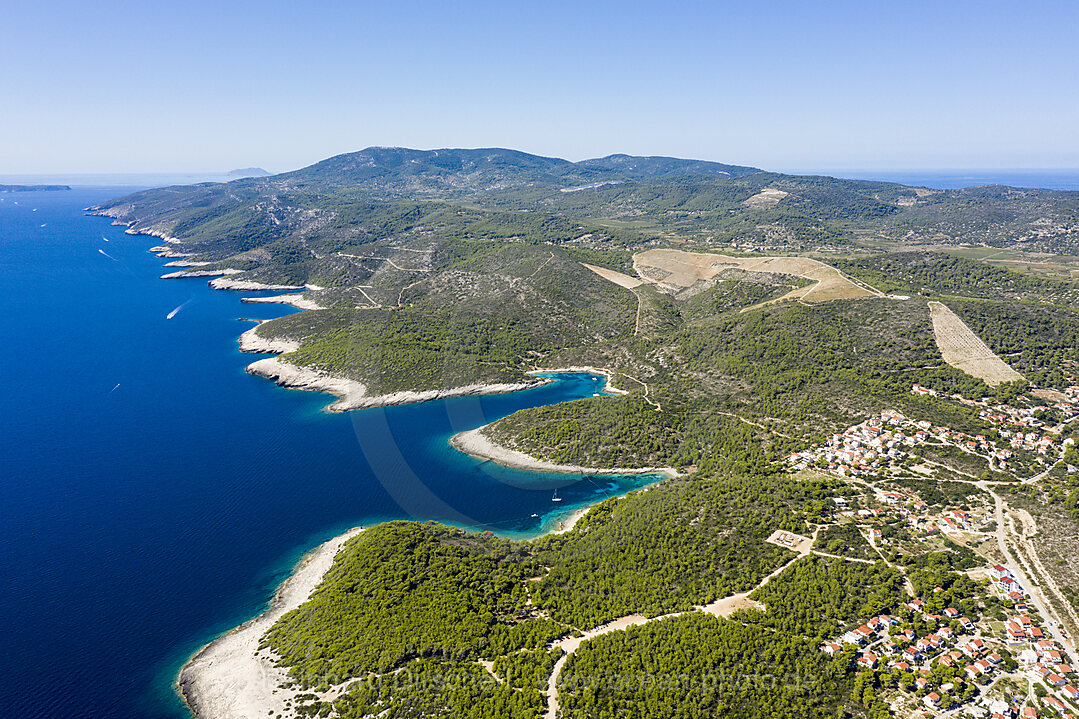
297, 300
224, 283
477, 444
252, 341
607, 387
353, 395
229, 678
187, 274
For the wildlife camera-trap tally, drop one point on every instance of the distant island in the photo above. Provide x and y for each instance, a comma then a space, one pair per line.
246, 172
33, 188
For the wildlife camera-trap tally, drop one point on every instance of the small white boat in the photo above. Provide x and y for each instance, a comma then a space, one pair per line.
556, 498
534, 515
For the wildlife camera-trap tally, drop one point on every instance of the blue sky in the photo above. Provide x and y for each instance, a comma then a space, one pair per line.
209, 86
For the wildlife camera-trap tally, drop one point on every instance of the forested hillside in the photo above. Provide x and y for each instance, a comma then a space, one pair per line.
764, 364
430, 602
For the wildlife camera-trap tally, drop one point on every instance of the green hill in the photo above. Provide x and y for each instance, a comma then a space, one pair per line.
439, 269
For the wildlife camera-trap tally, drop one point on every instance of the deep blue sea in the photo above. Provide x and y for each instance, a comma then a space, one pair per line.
153, 495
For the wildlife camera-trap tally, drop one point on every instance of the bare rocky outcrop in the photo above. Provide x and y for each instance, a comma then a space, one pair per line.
226, 283
187, 274
353, 395
252, 341
298, 300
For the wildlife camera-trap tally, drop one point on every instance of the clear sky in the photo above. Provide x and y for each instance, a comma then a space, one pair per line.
110, 86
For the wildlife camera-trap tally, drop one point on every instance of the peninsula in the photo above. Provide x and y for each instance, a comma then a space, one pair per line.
865, 392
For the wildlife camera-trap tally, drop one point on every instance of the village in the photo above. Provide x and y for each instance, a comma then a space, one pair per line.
979, 647
948, 661
885, 445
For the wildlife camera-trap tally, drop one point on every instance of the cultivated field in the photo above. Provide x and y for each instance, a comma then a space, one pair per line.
677, 270
966, 351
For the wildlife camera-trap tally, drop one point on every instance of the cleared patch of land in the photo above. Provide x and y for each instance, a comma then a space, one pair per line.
789, 540
765, 198
616, 277
964, 350
678, 269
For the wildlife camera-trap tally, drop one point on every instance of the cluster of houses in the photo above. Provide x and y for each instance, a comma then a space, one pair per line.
1030, 441
871, 445
954, 520
1046, 661
1018, 424
911, 509
879, 441
971, 650
1003, 414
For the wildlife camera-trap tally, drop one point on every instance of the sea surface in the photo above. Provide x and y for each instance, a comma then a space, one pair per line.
957, 179
153, 494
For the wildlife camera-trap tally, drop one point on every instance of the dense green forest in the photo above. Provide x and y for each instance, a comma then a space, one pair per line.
403, 590
406, 601
844, 540
1040, 341
938, 273
820, 598
486, 317
796, 373
437, 687
684, 543
464, 596
698, 667
758, 664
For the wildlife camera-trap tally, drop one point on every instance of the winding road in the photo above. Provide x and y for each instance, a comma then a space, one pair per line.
720, 608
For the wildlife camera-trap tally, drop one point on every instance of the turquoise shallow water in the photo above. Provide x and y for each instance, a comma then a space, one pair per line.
152, 494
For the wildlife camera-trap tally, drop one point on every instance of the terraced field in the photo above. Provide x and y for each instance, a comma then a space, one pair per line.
965, 351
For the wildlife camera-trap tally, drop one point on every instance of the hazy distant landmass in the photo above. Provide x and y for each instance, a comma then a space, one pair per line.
246, 172
33, 188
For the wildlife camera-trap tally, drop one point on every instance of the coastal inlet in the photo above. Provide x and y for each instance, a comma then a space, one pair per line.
156, 495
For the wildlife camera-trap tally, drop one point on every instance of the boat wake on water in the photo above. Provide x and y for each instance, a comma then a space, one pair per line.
176, 310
